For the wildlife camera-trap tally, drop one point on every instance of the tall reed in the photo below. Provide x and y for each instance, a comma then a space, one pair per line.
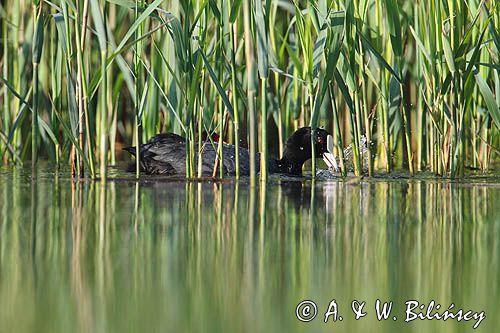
36, 56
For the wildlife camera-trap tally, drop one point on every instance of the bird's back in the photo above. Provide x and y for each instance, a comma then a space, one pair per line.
166, 154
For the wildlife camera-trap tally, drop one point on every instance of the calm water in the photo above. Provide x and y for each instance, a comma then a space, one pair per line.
171, 256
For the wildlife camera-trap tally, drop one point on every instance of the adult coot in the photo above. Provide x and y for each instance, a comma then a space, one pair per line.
166, 154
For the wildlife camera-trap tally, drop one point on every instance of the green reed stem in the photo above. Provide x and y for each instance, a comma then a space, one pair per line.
234, 79
37, 54
138, 89
338, 133
263, 131
252, 121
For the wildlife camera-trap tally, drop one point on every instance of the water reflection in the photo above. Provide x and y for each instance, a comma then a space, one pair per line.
176, 256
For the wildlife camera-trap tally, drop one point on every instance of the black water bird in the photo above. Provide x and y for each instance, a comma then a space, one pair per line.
166, 154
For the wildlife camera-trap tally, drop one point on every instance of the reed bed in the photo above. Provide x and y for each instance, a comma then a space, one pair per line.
419, 79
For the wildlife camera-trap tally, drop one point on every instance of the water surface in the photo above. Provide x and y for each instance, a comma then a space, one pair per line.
174, 256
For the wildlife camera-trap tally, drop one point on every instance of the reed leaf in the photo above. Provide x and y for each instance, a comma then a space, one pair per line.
217, 84
368, 45
235, 8
140, 19
95, 9
262, 40
489, 99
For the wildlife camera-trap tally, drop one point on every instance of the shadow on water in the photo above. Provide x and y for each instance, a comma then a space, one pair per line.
222, 256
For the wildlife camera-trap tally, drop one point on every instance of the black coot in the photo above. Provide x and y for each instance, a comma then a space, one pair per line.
166, 154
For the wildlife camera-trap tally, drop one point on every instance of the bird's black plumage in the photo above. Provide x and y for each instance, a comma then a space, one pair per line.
166, 154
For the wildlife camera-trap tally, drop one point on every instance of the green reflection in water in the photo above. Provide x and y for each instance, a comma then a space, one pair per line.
185, 257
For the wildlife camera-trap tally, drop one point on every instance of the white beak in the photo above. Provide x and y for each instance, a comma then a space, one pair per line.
328, 157
329, 143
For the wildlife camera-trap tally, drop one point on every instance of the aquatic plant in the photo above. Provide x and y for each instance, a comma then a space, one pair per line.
420, 80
